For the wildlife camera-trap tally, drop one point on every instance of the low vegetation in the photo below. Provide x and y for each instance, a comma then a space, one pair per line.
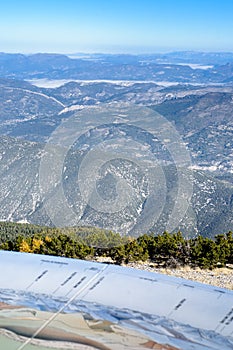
166, 250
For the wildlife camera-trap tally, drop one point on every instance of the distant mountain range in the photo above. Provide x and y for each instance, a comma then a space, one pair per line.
185, 67
202, 115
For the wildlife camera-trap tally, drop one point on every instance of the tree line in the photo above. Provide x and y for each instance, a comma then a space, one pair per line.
165, 250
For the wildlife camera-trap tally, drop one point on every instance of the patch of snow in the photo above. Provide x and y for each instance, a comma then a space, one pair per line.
71, 108
23, 221
202, 167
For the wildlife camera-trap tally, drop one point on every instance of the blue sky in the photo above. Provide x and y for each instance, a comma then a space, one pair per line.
132, 26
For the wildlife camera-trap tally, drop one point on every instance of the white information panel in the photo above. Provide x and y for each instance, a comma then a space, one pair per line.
53, 302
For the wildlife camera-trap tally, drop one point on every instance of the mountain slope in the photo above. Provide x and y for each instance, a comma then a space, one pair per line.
20, 200
205, 123
201, 115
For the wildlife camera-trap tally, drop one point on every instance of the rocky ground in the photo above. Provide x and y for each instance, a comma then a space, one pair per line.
220, 277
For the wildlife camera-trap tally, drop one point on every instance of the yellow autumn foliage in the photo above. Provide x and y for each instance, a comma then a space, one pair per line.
48, 239
24, 247
36, 244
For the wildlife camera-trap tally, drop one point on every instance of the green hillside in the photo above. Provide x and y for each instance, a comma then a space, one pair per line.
167, 250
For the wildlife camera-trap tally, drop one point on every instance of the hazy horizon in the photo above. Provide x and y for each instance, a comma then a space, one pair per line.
132, 53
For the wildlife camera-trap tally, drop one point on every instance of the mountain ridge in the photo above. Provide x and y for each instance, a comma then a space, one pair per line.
120, 67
